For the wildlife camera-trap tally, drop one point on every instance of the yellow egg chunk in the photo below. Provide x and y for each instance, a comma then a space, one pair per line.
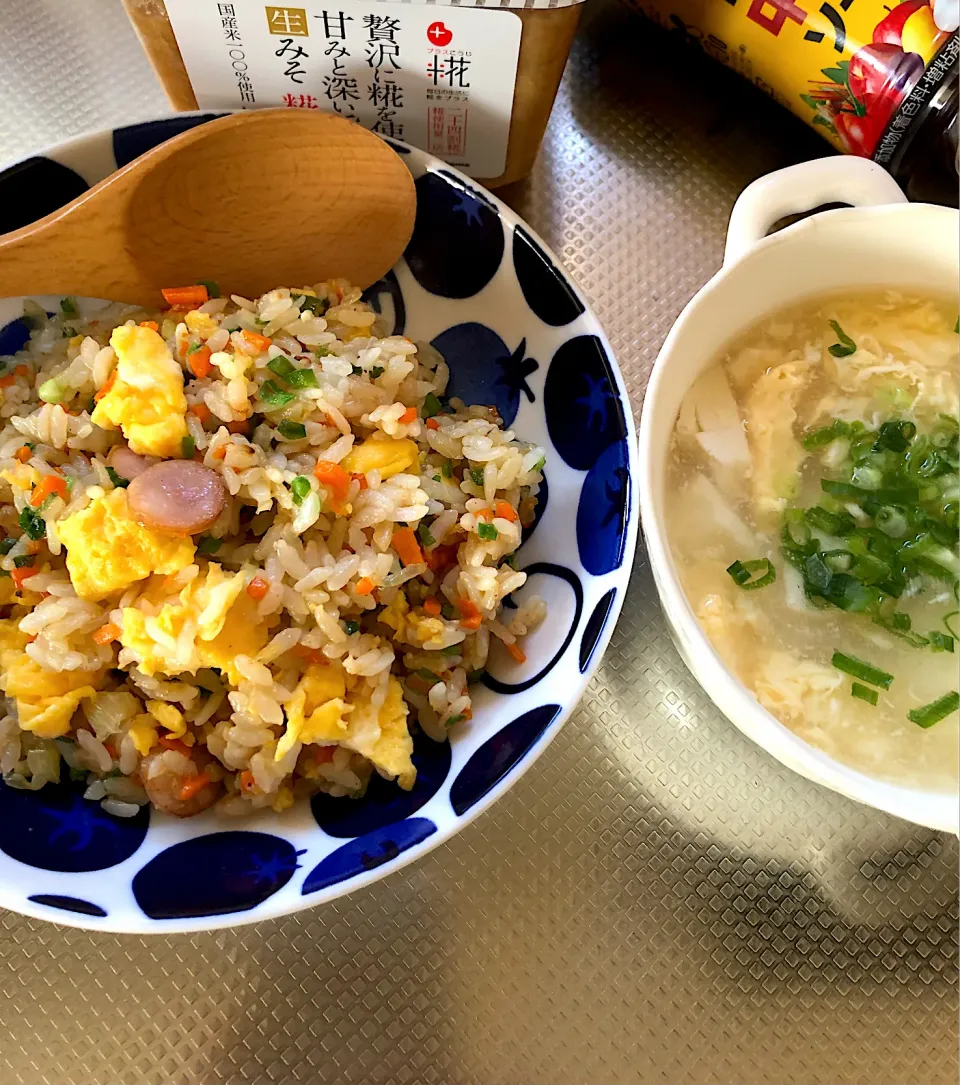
146, 398
107, 550
392, 751
315, 711
143, 731
46, 700
388, 455
244, 633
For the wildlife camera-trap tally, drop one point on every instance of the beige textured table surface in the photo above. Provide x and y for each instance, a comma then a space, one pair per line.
657, 900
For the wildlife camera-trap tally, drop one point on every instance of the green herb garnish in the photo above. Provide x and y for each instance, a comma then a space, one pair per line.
425, 535
302, 378
452, 649
300, 488
476, 473
846, 346
351, 626
32, 523
281, 366
7, 544
68, 306
188, 446
940, 642
431, 406
292, 431
213, 287
118, 480
743, 573
936, 711
864, 693
23, 561
317, 306
487, 531
859, 668
446, 469
271, 394
209, 545
376, 371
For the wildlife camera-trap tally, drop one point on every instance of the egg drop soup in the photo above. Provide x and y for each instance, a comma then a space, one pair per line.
812, 502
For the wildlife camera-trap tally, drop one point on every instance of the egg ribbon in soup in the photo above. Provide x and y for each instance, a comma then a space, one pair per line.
820, 453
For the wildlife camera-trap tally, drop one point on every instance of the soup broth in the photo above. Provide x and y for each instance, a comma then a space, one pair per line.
812, 512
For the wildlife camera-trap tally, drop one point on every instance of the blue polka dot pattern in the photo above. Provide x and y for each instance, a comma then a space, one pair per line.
134, 140
582, 405
543, 568
497, 756
14, 336
68, 904
457, 241
384, 803
57, 829
214, 875
545, 289
367, 853
386, 298
603, 511
594, 627
543, 496
34, 188
483, 369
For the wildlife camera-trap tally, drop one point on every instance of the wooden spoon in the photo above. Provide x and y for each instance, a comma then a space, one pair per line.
254, 200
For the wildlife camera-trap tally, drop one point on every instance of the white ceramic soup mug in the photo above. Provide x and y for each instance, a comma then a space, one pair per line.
879, 241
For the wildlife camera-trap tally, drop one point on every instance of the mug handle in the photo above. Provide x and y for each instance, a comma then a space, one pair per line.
839, 179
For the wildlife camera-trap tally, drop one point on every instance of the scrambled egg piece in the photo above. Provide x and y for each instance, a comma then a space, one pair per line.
146, 398
244, 633
201, 324
315, 711
389, 456
203, 605
171, 718
143, 731
394, 615
426, 631
46, 700
393, 749
107, 550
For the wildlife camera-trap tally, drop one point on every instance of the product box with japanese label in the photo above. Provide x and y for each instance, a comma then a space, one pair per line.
473, 85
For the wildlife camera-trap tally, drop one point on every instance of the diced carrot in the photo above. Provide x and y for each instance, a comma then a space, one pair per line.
405, 544
256, 340
111, 748
505, 511
20, 575
241, 426
199, 362
442, 556
337, 481
169, 743
258, 587
470, 616
23, 454
151, 324
361, 480
312, 655
432, 423
484, 514
514, 650
365, 586
5, 382
201, 412
220, 452
192, 784
185, 295
467, 714
247, 782
34, 546
432, 605
49, 484
408, 416
21, 371
106, 633
107, 385
471, 623
323, 754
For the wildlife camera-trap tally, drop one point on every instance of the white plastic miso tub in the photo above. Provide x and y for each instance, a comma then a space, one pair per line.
881, 240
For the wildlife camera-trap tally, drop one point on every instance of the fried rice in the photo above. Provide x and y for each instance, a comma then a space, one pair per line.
344, 597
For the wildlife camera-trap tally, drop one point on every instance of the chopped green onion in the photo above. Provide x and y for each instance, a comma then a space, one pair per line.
7, 544
895, 435
68, 306
292, 431
476, 473
23, 561
281, 366
837, 561
742, 573
952, 629
446, 469
209, 545
118, 480
425, 534
934, 712
903, 493
270, 393
829, 522
487, 531
864, 693
193, 348
819, 437
448, 612
351, 626
455, 719
431, 406
300, 487
940, 642
891, 521
320, 352
452, 649
213, 287
32, 523
427, 676
52, 391
376, 371
69, 331
861, 669
317, 306
302, 378
188, 446
846, 346
539, 465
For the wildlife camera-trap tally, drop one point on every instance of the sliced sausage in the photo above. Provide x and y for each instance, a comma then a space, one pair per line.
128, 464
163, 774
180, 496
